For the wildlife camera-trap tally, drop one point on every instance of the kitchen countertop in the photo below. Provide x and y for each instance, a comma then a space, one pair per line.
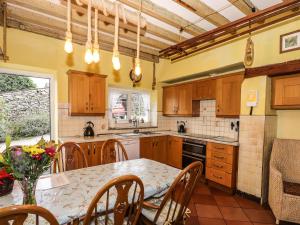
104, 137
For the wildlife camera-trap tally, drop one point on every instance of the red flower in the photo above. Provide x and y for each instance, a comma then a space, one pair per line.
4, 174
37, 156
50, 151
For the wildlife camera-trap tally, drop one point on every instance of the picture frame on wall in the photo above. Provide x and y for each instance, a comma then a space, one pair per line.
290, 41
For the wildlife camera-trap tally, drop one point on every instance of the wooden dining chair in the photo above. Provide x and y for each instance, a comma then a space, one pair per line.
17, 215
113, 151
69, 156
172, 208
118, 202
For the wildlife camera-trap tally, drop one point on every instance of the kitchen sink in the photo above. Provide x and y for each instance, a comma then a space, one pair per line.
134, 134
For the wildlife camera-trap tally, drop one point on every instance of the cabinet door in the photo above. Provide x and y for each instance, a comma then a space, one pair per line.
86, 148
97, 95
184, 106
228, 99
160, 149
204, 89
97, 153
286, 92
146, 148
174, 152
78, 94
170, 100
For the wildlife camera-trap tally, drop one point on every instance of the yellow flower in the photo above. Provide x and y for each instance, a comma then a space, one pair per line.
33, 150
1, 158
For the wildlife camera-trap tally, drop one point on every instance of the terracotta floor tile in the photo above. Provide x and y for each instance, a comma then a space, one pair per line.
247, 204
215, 191
202, 189
192, 207
264, 224
209, 221
226, 201
208, 211
204, 199
193, 220
231, 213
230, 222
259, 216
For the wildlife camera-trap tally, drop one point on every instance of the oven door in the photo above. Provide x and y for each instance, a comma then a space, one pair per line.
187, 159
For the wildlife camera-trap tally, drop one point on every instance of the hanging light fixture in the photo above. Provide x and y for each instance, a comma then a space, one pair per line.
116, 54
137, 69
88, 57
96, 54
68, 44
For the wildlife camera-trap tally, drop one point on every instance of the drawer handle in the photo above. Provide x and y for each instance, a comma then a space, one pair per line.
218, 166
218, 177
219, 157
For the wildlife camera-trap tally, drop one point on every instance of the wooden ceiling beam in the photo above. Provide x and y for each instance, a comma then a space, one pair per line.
59, 13
242, 6
59, 25
164, 15
54, 33
204, 11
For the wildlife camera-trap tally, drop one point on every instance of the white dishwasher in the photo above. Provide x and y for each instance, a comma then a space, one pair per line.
132, 147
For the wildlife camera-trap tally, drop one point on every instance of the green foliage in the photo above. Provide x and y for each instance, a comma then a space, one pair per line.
15, 83
3, 119
29, 126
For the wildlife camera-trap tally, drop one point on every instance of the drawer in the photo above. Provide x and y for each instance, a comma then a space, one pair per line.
228, 149
218, 165
219, 156
219, 177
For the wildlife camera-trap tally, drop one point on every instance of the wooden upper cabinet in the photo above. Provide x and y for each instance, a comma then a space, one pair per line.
177, 101
204, 89
170, 100
286, 92
228, 95
86, 93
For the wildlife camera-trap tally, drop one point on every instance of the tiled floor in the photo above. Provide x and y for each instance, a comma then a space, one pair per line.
210, 206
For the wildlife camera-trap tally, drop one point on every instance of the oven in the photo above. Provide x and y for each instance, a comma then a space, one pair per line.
193, 150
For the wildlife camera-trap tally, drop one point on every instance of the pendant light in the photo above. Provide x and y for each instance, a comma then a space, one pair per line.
68, 44
88, 57
116, 54
137, 69
96, 54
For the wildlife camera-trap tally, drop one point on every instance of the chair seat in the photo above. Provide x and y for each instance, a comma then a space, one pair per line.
101, 221
291, 188
150, 213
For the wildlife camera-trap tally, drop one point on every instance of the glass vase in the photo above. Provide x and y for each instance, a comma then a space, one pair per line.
28, 187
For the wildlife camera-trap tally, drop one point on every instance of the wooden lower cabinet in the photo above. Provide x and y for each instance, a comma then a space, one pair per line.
92, 151
164, 149
221, 164
174, 151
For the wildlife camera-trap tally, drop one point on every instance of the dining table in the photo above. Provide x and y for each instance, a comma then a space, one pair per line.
71, 199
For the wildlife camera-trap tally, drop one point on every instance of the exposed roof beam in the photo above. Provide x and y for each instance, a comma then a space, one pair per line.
54, 33
204, 11
59, 25
241, 5
59, 12
164, 15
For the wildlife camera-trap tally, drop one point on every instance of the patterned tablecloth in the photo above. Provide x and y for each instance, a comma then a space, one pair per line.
72, 200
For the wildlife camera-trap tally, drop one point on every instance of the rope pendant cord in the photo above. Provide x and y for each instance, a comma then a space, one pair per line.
96, 29
89, 15
116, 44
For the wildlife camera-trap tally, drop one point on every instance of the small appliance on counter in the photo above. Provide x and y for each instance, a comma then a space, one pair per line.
181, 126
88, 130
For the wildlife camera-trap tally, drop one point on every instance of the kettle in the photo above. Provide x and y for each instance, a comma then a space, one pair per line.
88, 130
181, 127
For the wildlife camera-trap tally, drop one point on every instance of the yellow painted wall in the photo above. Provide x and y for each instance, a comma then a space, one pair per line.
32, 52
288, 124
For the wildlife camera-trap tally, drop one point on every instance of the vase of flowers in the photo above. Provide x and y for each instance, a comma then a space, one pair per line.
28, 163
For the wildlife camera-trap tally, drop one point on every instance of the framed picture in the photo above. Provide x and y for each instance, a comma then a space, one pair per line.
290, 41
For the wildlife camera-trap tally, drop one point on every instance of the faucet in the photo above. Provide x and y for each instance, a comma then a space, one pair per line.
135, 122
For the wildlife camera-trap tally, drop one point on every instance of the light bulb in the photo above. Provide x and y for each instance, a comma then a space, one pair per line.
68, 46
116, 60
96, 55
88, 57
137, 69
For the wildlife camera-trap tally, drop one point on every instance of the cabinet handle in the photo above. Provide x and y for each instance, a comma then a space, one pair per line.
217, 177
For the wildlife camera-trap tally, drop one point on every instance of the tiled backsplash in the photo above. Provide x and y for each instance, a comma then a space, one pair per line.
207, 123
